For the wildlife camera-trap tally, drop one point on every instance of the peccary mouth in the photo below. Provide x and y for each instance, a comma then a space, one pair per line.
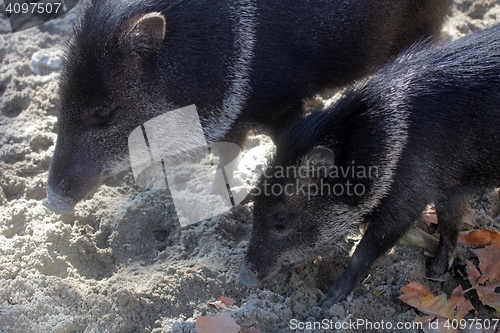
58, 204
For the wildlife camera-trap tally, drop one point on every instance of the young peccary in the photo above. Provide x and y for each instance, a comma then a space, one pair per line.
243, 63
424, 129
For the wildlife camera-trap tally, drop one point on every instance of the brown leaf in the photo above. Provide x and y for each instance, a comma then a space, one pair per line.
419, 297
488, 296
472, 274
479, 238
489, 263
486, 284
223, 322
226, 300
298, 270
191, 271
216, 304
414, 289
460, 305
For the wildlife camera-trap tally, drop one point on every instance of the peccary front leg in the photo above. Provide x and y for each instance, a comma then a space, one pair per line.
386, 227
450, 211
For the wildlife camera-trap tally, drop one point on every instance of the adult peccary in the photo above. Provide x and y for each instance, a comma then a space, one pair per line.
244, 64
424, 129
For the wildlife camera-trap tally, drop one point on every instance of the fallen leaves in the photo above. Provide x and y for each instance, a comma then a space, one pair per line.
223, 300
484, 279
419, 297
226, 300
487, 280
479, 238
221, 323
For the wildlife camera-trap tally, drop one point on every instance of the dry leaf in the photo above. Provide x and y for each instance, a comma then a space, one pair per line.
487, 281
190, 271
414, 290
298, 270
479, 238
378, 292
489, 263
419, 297
222, 323
418, 237
488, 296
461, 306
472, 274
216, 304
226, 300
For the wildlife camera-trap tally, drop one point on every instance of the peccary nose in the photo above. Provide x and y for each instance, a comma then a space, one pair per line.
247, 277
59, 204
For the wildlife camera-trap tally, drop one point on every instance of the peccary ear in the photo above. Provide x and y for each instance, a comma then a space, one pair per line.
146, 33
318, 156
316, 163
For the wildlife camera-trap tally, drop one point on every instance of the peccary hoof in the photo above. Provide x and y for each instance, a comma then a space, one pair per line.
58, 204
331, 298
248, 278
436, 271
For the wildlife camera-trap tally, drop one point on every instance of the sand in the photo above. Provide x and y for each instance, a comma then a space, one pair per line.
121, 263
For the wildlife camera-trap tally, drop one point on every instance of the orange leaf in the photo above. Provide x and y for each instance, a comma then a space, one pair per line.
479, 238
460, 304
223, 322
417, 296
414, 289
489, 263
226, 300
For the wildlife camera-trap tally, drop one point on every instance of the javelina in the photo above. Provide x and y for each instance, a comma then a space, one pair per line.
244, 64
426, 128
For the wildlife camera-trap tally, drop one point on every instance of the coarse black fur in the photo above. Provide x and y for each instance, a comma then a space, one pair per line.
243, 63
429, 122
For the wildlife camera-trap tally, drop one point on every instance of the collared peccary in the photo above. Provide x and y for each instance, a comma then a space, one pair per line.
425, 128
244, 64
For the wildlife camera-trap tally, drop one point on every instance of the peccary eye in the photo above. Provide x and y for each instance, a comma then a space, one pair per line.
279, 221
102, 117
105, 113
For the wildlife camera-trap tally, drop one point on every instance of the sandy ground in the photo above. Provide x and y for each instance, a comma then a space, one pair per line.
121, 263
